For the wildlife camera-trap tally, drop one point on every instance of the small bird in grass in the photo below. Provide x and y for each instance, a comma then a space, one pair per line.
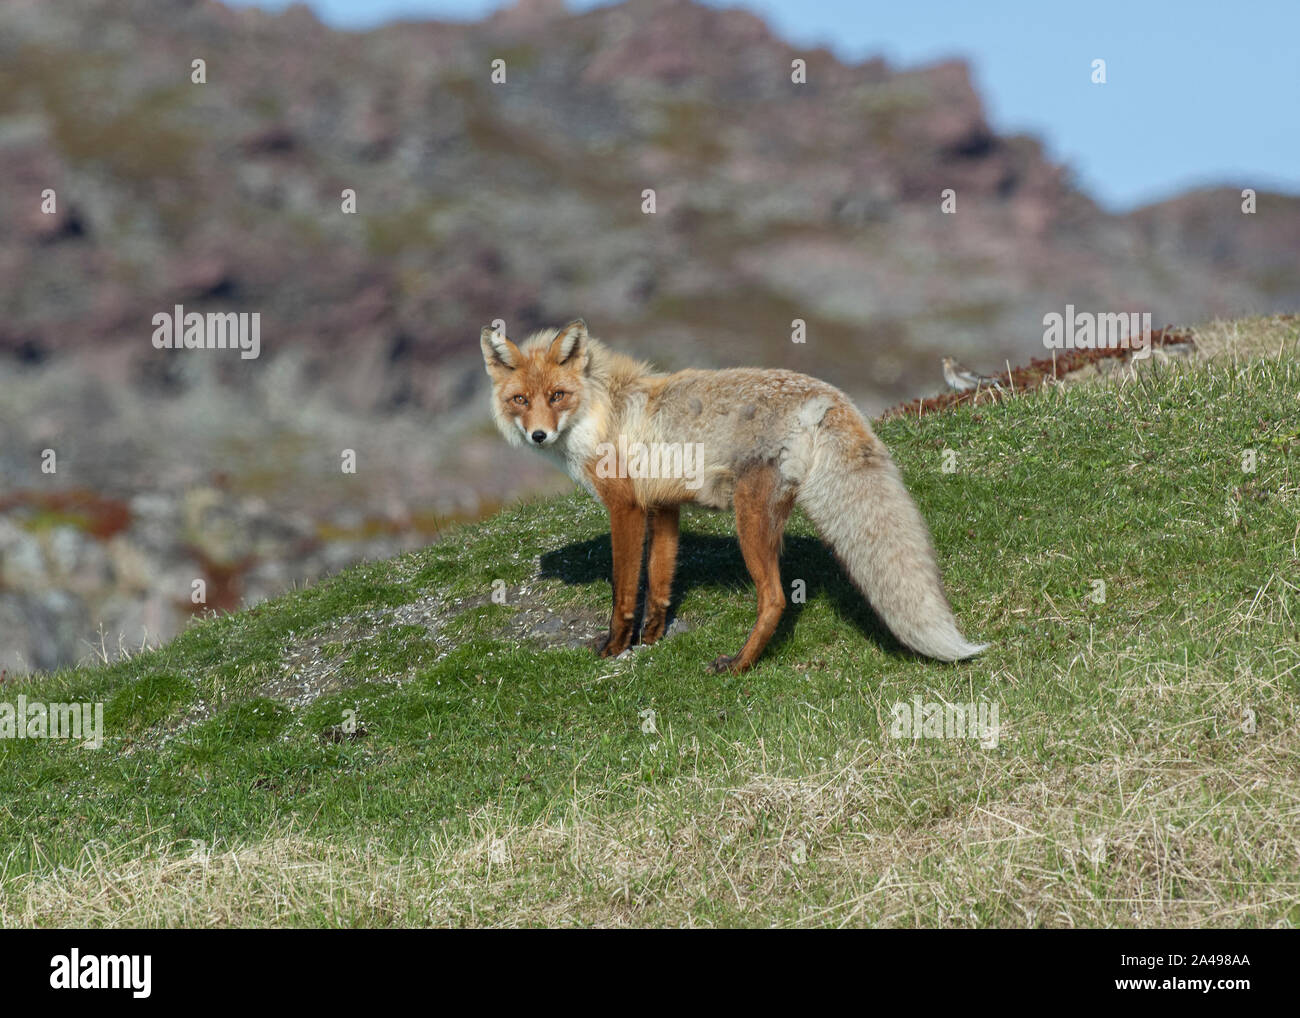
963, 379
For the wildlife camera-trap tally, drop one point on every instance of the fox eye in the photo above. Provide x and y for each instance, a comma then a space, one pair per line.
520, 400
558, 395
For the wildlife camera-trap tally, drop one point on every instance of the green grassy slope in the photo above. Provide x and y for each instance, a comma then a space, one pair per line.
1146, 770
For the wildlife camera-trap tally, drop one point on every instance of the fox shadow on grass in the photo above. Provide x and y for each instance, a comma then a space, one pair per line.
716, 562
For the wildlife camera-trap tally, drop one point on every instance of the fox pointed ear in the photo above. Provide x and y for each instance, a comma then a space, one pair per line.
570, 345
499, 354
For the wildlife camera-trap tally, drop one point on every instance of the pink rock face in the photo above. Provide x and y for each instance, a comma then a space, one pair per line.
231, 192
957, 116
201, 275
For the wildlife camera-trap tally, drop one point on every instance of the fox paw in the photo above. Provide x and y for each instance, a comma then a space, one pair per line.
613, 644
652, 631
720, 665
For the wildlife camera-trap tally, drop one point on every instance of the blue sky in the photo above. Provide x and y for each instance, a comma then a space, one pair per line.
1198, 91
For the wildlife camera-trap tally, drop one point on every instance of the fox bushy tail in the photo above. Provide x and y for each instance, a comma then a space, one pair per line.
855, 496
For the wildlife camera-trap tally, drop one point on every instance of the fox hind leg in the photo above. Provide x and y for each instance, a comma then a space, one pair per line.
762, 510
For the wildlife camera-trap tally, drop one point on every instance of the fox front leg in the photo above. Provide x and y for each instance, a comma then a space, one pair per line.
627, 538
663, 563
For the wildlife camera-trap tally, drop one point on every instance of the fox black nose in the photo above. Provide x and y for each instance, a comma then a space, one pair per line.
539, 437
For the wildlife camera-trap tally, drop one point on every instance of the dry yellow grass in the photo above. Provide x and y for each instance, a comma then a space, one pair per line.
1156, 838
1241, 339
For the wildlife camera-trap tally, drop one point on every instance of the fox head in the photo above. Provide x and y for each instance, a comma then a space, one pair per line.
537, 391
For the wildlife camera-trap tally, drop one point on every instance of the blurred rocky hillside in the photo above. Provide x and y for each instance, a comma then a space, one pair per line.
476, 200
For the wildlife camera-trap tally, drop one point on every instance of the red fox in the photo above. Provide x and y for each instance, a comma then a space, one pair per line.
760, 441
